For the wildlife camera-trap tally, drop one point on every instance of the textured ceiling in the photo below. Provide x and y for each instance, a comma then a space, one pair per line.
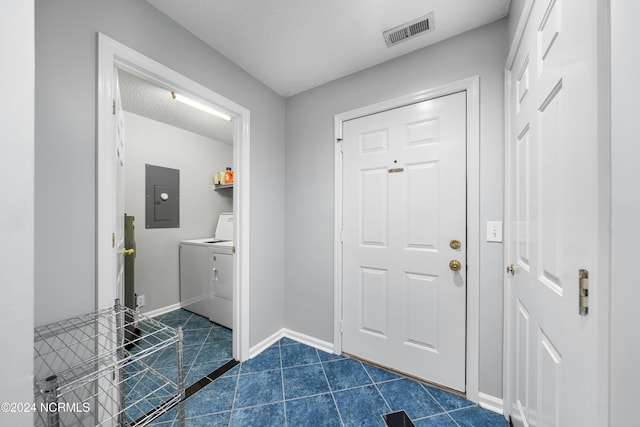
295, 45
144, 99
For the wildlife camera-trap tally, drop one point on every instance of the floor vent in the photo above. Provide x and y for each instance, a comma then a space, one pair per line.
398, 419
409, 30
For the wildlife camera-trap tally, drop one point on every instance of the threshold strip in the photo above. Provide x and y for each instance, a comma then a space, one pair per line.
192, 389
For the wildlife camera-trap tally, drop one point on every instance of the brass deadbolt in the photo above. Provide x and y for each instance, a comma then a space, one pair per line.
455, 244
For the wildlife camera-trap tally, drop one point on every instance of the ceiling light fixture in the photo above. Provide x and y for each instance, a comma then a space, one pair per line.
199, 106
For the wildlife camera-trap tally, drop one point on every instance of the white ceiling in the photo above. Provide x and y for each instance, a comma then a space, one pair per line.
295, 45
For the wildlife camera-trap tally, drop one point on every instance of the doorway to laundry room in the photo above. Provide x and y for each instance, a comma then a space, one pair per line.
158, 165
179, 222
172, 153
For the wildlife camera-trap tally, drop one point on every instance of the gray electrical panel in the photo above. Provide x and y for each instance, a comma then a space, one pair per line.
162, 204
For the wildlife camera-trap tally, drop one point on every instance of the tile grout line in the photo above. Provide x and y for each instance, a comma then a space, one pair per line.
452, 419
424, 387
151, 365
285, 401
284, 397
180, 324
355, 388
433, 397
330, 390
193, 363
235, 395
198, 385
199, 351
378, 390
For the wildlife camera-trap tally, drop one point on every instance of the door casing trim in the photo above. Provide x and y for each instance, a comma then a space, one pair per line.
112, 54
472, 87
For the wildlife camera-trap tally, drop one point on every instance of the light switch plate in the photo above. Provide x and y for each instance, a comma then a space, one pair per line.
494, 231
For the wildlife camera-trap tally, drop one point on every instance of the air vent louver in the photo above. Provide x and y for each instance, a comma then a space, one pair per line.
408, 30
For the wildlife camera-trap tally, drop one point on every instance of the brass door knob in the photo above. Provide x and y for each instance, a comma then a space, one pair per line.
128, 251
455, 244
455, 265
511, 269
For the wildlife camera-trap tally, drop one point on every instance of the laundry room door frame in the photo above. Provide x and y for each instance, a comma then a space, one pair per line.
471, 86
111, 55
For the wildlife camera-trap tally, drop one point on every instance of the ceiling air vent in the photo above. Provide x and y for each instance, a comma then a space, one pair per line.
408, 30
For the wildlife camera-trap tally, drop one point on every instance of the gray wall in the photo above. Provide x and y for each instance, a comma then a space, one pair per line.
625, 205
16, 209
513, 18
310, 178
66, 44
197, 158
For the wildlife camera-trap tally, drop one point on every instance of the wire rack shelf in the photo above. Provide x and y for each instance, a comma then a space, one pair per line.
94, 370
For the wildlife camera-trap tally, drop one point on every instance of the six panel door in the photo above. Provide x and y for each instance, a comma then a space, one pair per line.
404, 190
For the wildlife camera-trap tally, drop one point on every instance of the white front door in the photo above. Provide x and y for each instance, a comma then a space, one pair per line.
404, 191
552, 217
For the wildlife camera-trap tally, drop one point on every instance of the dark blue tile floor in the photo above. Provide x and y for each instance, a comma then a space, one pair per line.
207, 346
292, 384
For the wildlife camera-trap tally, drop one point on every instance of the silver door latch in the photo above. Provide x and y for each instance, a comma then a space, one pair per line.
583, 293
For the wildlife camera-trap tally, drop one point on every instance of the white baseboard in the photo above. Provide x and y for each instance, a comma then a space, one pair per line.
491, 403
296, 336
308, 340
265, 344
163, 310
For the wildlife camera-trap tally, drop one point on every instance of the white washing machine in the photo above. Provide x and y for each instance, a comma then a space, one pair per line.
206, 273
221, 289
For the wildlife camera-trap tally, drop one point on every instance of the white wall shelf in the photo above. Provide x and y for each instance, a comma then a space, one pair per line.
222, 186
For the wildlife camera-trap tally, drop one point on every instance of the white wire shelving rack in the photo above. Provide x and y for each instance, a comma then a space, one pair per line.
95, 370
